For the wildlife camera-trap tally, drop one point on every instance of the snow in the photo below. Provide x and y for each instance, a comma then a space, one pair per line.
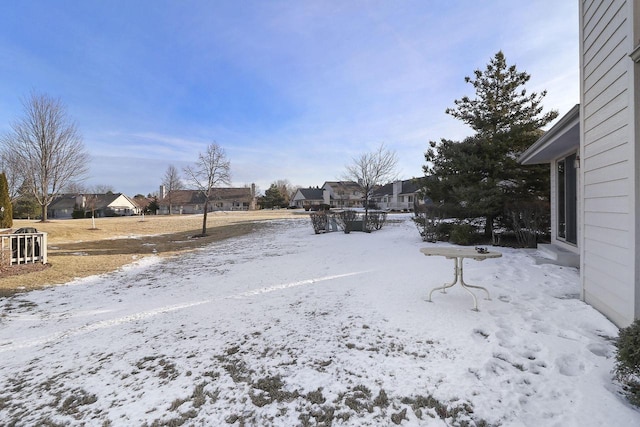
284, 327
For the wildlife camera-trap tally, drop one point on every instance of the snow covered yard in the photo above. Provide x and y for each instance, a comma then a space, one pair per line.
284, 327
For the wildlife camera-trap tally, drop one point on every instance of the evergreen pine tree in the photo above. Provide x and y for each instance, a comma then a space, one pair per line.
273, 197
6, 209
481, 175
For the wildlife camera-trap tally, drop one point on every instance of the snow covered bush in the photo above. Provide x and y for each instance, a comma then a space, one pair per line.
428, 219
376, 220
463, 234
346, 220
627, 369
319, 221
529, 220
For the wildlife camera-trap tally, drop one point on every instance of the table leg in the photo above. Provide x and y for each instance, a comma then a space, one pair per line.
447, 285
467, 286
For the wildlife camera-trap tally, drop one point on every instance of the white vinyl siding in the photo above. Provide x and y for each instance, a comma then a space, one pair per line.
608, 165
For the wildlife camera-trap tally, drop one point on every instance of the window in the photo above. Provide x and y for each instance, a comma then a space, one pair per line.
567, 199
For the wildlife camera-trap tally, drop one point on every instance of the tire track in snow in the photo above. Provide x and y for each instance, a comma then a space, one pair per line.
102, 324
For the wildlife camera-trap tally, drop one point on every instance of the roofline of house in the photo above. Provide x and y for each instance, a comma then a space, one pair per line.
534, 154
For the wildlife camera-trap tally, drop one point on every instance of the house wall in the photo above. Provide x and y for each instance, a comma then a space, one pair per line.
636, 148
346, 200
609, 270
123, 206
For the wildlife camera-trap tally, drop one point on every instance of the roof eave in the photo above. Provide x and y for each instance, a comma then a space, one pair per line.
561, 139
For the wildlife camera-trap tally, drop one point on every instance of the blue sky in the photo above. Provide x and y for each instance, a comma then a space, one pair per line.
290, 89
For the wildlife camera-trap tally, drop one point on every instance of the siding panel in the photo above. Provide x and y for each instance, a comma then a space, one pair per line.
600, 234
605, 41
617, 154
613, 140
608, 173
613, 221
609, 268
608, 204
595, 131
607, 189
612, 99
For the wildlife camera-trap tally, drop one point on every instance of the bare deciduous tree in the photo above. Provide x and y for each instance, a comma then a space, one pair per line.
102, 189
46, 146
371, 170
210, 171
171, 182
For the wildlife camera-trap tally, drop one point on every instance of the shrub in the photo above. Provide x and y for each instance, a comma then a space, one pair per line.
428, 219
346, 220
319, 221
627, 369
77, 213
426, 225
443, 231
528, 220
376, 220
463, 234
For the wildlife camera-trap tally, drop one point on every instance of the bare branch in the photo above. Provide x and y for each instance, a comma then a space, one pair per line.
371, 170
46, 147
210, 171
171, 182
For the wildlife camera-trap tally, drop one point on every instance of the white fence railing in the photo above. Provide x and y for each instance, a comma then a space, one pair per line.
23, 248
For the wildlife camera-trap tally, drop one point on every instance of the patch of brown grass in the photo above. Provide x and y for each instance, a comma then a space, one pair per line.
77, 250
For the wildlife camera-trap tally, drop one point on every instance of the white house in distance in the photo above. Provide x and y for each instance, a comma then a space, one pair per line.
192, 201
396, 196
606, 162
343, 194
307, 198
109, 204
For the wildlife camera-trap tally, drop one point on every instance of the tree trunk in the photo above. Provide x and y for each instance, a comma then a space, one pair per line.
488, 226
44, 212
365, 222
204, 218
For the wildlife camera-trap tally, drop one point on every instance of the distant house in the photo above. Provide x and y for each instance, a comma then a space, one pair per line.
143, 203
596, 183
343, 194
307, 198
396, 196
109, 204
192, 201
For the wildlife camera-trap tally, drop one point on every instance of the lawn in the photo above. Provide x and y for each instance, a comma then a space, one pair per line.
78, 249
282, 327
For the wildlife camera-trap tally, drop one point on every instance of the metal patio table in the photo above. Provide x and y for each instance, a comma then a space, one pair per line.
458, 255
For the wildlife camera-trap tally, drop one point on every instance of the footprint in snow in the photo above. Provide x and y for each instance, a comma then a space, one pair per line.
570, 365
504, 298
599, 350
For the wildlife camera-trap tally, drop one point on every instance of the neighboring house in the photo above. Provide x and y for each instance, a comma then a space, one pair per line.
192, 201
396, 196
343, 194
607, 194
63, 206
142, 203
109, 204
307, 198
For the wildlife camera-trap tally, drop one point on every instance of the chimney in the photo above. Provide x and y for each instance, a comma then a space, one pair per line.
163, 192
